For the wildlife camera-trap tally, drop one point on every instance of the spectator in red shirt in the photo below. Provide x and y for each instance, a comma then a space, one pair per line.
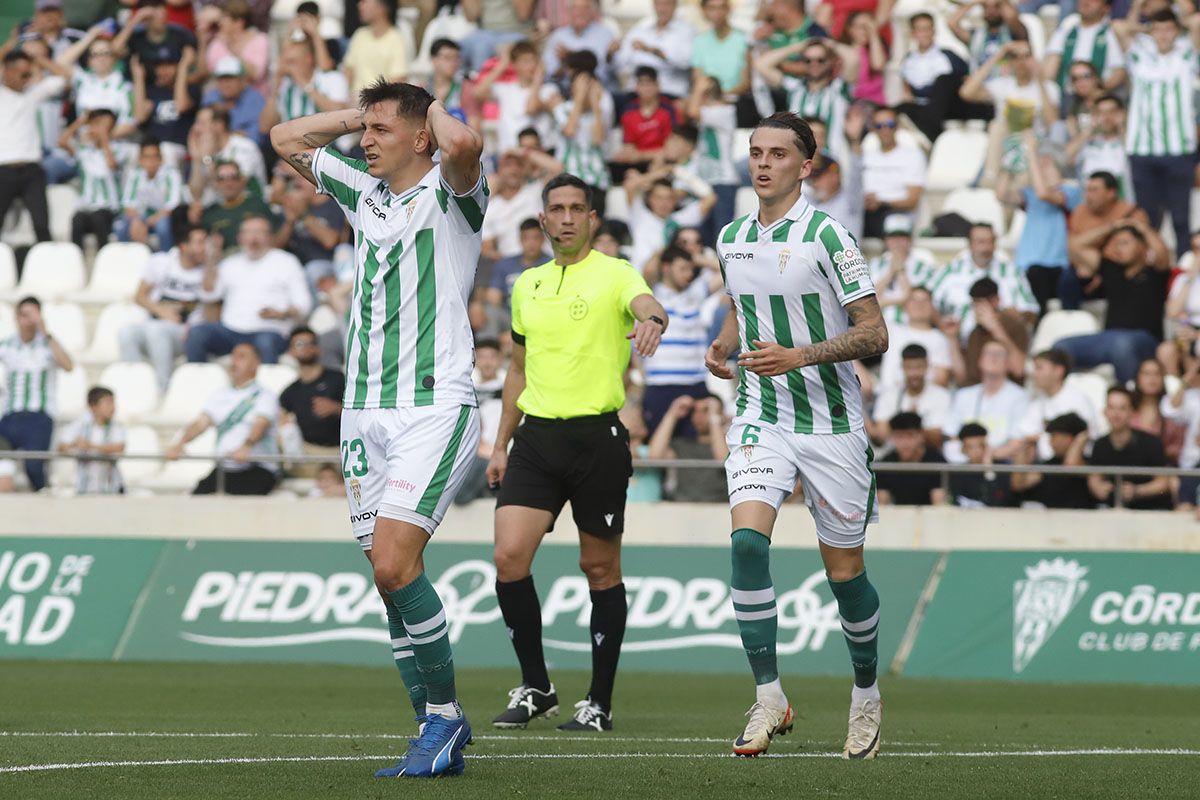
647, 123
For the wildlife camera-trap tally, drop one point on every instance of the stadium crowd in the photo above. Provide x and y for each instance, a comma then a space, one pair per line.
1008, 169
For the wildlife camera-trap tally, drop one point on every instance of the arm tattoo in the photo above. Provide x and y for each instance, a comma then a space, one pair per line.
867, 336
302, 160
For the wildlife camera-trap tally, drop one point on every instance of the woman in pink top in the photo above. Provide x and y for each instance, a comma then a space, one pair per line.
1149, 387
227, 32
863, 57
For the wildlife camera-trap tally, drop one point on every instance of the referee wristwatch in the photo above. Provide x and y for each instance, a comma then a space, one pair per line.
659, 320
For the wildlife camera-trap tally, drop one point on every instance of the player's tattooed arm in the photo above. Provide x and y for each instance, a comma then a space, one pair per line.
867, 336
296, 140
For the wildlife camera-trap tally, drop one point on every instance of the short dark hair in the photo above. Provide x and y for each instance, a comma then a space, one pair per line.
984, 289
661, 183
263, 215
912, 21
309, 7
98, 393
488, 343
801, 130
1107, 178
1119, 390
906, 421
886, 110
219, 115
531, 131
975, 226
302, 330
1110, 98
13, 56
566, 179
183, 233
97, 113
253, 347
671, 253
581, 61
522, 48
913, 351
972, 430
227, 163
645, 72
1165, 15
920, 287
150, 141
1059, 358
412, 102
441, 44
30, 300
688, 132
530, 224
1132, 231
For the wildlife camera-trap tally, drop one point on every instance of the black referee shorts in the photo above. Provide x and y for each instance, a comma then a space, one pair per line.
585, 460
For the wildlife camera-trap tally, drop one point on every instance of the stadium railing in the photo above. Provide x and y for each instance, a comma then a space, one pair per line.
1117, 474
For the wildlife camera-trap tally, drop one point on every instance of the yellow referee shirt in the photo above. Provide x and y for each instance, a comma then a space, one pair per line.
573, 322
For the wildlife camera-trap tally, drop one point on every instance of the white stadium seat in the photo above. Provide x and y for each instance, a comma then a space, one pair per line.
8, 322
744, 202
65, 322
140, 440
8, 268
616, 204
276, 377
323, 319
957, 158
444, 26
190, 386
1036, 32
976, 205
1060, 324
134, 386
1095, 388
52, 270
115, 274
105, 346
182, 476
63, 199
71, 390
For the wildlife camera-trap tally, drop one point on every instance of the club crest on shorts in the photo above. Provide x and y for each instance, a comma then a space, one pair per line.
748, 452
784, 258
356, 491
1041, 602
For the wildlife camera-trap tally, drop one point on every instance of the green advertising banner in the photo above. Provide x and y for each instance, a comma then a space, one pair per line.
274, 601
1122, 617
69, 598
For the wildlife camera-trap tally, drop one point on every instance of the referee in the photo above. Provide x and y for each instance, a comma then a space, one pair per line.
572, 319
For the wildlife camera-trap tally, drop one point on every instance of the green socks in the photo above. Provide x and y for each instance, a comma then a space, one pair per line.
405, 662
858, 605
754, 602
424, 622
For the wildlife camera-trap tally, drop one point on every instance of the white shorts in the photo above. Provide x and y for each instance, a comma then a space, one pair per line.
834, 469
405, 463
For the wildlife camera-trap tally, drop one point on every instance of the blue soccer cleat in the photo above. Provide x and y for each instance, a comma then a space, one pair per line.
436, 753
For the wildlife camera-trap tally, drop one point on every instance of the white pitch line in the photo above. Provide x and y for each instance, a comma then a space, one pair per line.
173, 762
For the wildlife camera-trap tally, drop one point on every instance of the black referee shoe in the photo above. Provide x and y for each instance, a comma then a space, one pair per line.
589, 717
525, 704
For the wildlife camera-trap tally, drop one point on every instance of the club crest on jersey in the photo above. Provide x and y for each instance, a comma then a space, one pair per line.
356, 491
784, 258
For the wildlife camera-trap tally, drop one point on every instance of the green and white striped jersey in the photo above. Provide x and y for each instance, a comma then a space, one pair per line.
828, 104
789, 282
30, 375
97, 180
1162, 111
112, 92
579, 155
294, 101
410, 341
1107, 155
713, 160
920, 267
150, 195
951, 288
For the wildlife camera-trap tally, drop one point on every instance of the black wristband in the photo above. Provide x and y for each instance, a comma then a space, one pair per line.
655, 318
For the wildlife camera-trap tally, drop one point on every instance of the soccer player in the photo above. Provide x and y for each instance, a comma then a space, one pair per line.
804, 309
410, 426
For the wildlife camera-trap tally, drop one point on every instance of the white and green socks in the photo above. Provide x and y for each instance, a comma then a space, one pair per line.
424, 621
402, 652
754, 609
858, 605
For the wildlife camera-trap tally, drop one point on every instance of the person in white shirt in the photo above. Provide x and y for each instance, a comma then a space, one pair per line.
899, 268
299, 88
1085, 36
1101, 148
584, 31
513, 199
170, 291
262, 292
663, 42
943, 356
244, 415
916, 394
488, 377
1183, 407
657, 208
21, 172
1053, 399
690, 298
95, 439
524, 102
893, 174
150, 193
996, 403
931, 77
102, 84
211, 143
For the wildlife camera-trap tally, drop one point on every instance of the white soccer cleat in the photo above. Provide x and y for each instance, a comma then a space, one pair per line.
862, 741
765, 724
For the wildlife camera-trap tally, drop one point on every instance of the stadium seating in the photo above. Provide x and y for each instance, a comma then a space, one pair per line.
140, 440
134, 386
8, 268
956, 159
71, 390
65, 321
63, 199
444, 26
8, 323
976, 205
276, 377
1059, 324
116, 273
323, 320
1095, 388
616, 204
1036, 32
190, 387
105, 348
181, 476
52, 270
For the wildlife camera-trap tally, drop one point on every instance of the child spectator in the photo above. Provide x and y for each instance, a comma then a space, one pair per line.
89, 139
151, 193
95, 438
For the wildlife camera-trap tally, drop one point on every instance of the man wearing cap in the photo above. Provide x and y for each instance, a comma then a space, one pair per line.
148, 36
234, 93
1068, 436
893, 174
900, 267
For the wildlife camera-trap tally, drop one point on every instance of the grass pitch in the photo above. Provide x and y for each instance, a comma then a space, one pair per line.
284, 731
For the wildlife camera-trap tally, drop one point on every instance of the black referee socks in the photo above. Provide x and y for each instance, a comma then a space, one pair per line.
523, 616
608, 631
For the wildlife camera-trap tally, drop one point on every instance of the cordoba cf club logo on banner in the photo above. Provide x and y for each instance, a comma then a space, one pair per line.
1040, 604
